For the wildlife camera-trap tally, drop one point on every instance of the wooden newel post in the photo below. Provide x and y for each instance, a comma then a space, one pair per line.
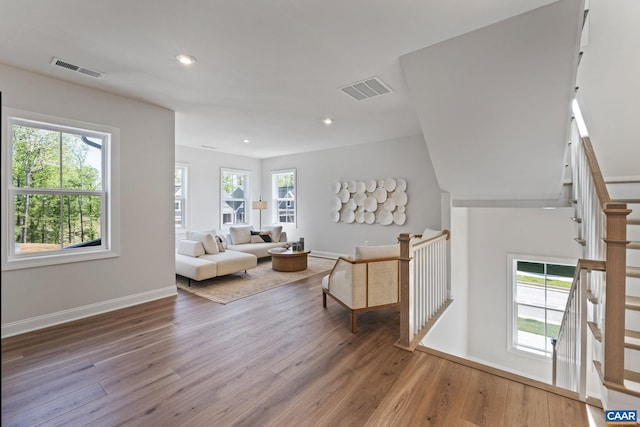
405, 338
614, 327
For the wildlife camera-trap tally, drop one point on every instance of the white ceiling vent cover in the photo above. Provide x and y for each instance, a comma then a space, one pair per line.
366, 88
72, 67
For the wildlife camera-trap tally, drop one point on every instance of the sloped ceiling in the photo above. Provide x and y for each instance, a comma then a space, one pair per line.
494, 104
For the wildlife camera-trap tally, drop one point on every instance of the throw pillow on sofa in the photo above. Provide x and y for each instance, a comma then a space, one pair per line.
261, 237
190, 247
276, 231
240, 234
220, 243
208, 241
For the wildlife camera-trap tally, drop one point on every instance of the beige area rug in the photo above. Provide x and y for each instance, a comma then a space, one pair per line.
232, 287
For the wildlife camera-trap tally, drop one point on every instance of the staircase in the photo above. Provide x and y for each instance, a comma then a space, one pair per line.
597, 353
619, 394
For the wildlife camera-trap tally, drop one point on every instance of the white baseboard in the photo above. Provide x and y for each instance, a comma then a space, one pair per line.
52, 319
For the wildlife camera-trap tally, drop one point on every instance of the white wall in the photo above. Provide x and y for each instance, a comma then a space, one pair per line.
609, 85
36, 297
494, 233
406, 158
203, 191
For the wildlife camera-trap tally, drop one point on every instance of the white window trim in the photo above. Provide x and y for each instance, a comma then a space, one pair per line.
511, 283
111, 185
247, 196
186, 199
274, 198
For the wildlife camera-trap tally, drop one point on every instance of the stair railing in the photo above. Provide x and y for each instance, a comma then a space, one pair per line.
570, 347
602, 233
425, 289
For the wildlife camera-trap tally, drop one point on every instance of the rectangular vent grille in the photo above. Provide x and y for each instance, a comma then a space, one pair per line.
366, 88
72, 67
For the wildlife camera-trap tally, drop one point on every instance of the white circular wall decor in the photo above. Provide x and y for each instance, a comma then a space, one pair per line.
336, 204
370, 204
389, 184
344, 195
359, 198
385, 217
400, 197
370, 185
369, 217
348, 216
399, 218
389, 205
380, 195
369, 201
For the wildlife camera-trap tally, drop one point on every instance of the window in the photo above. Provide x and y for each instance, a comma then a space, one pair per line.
58, 194
284, 194
180, 191
235, 197
540, 292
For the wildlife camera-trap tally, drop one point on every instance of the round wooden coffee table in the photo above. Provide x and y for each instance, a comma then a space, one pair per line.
288, 260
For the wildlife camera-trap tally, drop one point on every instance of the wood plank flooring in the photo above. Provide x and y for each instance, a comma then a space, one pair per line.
274, 359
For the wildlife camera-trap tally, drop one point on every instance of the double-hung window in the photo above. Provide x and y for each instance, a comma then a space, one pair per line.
234, 196
58, 194
283, 188
540, 289
180, 192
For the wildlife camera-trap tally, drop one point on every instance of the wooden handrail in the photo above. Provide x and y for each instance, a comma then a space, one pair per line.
366, 260
596, 173
583, 265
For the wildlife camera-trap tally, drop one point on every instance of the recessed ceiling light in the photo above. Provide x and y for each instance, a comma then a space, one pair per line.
327, 121
246, 141
186, 59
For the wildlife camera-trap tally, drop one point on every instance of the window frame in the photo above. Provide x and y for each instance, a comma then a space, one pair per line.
184, 199
109, 193
512, 311
246, 199
275, 199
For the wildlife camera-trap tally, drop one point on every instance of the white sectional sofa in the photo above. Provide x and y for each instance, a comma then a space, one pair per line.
203, 256
244, 239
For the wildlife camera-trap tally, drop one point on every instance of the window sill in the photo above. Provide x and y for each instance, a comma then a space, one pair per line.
56, 259
531, 353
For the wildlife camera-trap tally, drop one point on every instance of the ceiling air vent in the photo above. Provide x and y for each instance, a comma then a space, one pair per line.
72, 67
366, 88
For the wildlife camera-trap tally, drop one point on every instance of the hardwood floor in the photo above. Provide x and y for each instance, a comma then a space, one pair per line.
277, 358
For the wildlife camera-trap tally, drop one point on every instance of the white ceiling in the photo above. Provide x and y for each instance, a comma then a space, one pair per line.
266, 70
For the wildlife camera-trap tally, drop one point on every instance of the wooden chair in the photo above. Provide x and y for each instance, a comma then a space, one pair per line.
369, 281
